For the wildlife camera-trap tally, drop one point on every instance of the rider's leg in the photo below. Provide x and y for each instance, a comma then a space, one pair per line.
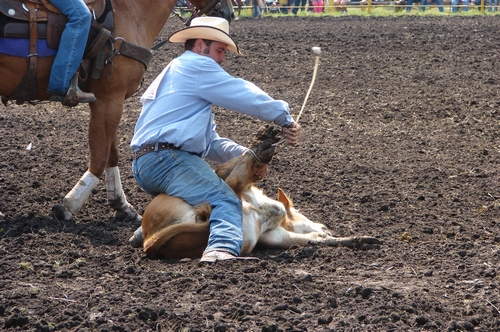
71, 48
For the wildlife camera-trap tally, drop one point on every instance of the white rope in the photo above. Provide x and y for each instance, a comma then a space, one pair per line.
257, 159
310, 88
317, 51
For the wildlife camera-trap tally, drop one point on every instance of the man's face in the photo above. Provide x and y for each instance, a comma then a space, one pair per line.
216, 50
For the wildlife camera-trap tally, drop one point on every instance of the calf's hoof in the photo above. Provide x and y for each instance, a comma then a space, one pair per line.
366, 242
128, 214
136, 239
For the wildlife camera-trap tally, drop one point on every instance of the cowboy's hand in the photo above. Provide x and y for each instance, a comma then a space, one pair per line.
292, 133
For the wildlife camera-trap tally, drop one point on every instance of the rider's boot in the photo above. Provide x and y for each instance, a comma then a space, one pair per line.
74, 96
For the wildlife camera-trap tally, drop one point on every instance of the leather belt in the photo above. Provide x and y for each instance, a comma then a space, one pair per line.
150, 148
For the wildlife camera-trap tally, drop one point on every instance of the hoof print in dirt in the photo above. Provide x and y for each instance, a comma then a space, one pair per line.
264, 142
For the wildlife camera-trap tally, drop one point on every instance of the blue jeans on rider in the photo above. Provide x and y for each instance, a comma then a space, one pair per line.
297, 4
72, 46
187, 176
455, 5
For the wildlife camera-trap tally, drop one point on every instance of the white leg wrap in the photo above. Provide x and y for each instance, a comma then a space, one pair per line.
75, 199
114, 191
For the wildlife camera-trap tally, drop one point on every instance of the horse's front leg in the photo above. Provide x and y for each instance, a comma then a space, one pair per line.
104, 157
124, 211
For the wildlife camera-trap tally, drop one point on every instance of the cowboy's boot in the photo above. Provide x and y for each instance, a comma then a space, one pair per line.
74, 96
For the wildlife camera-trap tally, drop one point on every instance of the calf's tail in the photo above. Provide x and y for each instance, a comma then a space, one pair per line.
178, 241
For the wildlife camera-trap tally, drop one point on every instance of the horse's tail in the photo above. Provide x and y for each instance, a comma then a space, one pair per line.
184, 240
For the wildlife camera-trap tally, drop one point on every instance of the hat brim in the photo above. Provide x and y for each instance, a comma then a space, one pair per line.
204, 32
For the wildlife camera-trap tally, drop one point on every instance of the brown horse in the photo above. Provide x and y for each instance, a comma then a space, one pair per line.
137, 22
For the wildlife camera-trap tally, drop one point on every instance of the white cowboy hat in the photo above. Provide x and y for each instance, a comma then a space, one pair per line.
206, 27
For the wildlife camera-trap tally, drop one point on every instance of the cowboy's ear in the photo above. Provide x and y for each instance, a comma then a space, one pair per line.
199, 45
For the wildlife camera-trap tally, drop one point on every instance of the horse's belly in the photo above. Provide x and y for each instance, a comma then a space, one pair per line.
14, 68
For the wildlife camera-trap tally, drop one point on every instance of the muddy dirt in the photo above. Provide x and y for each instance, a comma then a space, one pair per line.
401, 142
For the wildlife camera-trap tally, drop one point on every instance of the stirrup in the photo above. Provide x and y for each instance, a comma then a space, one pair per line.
74, 96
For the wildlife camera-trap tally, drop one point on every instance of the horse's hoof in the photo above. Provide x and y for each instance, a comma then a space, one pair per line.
61, 213
128, 214
136, 239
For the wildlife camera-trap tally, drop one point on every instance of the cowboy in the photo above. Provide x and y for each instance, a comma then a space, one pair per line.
175, 131
63, 82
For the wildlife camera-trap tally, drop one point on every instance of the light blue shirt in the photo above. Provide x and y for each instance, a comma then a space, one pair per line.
181, 111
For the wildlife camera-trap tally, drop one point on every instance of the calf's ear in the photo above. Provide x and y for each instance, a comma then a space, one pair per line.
284, 199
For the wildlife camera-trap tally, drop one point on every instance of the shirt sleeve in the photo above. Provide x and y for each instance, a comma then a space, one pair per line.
222, 149
239, 95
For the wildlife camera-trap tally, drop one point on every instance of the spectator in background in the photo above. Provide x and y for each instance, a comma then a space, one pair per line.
239, 4
495, 2
341, 5
257, 8
310, 9
302, 5
439, 3
455, 5
318, 6
272, 6
409, 3
423, 3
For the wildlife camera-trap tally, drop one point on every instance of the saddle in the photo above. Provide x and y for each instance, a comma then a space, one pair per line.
39, 19
49, 20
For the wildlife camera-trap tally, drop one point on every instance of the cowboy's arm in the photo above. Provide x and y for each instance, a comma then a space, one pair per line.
222, 149
236, 94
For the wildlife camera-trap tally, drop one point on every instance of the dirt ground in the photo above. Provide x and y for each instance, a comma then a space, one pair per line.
401, 142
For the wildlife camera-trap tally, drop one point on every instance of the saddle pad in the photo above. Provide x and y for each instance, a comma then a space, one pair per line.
21, 47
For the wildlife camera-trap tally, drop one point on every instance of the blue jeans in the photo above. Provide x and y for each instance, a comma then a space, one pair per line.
72, 46
408, 5
495, 2
423, 3
256, 9
455, 3
187, 176
439, 3
298, 3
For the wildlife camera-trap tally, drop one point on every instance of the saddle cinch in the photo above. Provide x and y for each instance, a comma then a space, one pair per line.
39, 19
